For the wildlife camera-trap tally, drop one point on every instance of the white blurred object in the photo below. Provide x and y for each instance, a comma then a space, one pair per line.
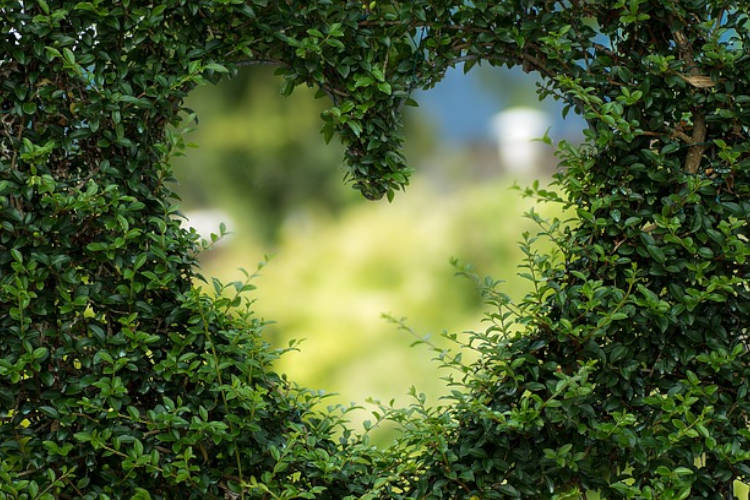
514, 130
207, 221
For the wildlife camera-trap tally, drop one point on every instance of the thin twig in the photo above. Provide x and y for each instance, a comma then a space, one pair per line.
255, 62
679, 134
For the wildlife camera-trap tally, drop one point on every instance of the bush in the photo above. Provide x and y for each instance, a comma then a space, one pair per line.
624, 371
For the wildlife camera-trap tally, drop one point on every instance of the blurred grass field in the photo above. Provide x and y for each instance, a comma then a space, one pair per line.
332, 277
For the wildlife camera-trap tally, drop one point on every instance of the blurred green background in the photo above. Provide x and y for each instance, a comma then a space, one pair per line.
338, 261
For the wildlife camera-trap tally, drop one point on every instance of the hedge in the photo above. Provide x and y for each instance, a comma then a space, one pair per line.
624, 372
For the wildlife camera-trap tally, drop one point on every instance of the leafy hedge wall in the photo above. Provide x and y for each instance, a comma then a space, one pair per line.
625, 371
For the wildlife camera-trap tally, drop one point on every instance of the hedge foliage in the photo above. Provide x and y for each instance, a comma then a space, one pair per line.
625, 370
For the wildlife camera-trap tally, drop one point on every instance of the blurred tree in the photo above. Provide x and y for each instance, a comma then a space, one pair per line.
260, 153
513, 87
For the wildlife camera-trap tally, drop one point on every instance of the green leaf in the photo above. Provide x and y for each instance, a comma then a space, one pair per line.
29, 108
385, 88
618, 353
141, 494
40, 353
218, 68
16, 255
355, 127
68, 56
706, 253
49, 411
656, 253
82, 436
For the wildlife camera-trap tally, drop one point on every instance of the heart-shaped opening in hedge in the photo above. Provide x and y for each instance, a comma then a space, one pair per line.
261, 168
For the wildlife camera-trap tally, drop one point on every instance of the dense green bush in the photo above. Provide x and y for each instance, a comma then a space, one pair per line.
624, 371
